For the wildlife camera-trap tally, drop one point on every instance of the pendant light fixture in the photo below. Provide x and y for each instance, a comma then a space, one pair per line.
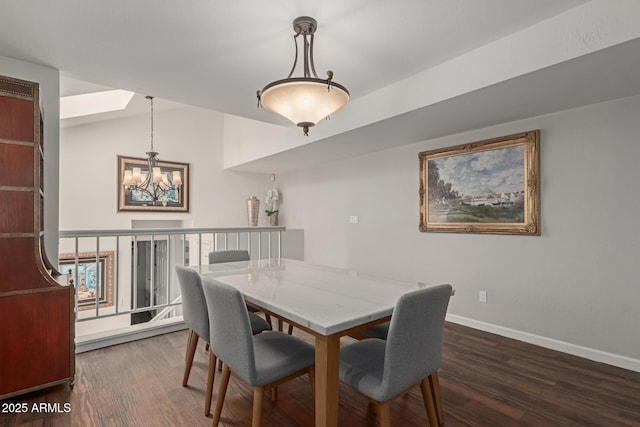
153, 184
308, 99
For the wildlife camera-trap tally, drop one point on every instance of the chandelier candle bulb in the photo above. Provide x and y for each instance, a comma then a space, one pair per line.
157, 175
137, 175
128, 178
177, 180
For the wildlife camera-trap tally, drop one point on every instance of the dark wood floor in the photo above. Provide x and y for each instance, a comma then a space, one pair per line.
486, 380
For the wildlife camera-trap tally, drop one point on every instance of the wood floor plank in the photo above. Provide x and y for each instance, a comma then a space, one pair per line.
485, 380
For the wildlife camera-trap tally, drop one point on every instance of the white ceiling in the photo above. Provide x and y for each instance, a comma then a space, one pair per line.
215, 55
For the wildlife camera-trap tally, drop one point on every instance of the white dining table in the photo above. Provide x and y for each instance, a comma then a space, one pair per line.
327, 302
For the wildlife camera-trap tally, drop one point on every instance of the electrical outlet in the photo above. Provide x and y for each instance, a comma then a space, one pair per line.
482, 297
353, 219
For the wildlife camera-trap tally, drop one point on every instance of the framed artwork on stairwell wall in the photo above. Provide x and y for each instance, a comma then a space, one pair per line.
92, 275
487, 187
138, 189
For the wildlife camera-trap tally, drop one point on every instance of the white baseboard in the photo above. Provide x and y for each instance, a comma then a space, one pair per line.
132, 333
565, 347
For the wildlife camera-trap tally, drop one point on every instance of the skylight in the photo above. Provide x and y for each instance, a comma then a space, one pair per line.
94, 103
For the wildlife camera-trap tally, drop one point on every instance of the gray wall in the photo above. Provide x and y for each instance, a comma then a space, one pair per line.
575, 286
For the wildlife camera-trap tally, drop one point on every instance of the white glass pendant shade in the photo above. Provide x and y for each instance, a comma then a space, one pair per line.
304, 101
308, 99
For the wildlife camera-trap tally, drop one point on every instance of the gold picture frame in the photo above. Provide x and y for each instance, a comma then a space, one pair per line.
92, 275
175, 200
486, 187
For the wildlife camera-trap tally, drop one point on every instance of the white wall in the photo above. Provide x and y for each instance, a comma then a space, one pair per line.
49, 80
88, 184
88, 169
577, 283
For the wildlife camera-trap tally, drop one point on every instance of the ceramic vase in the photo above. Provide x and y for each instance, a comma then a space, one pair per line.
272, 219
253, 210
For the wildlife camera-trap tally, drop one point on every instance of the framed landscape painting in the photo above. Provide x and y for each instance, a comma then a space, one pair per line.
487, 187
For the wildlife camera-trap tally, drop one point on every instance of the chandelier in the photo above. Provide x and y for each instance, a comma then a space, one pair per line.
152, 185
308, 99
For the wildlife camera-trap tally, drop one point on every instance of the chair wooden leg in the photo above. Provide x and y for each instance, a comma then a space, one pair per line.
290, 331
258, 397
434, 382
274, 394
219, 365
191, 350
427, 396
224, 382
268, 319
210, 378
384, 414
279, 325
186, 352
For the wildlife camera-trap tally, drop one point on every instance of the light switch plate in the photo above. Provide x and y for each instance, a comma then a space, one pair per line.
482, 297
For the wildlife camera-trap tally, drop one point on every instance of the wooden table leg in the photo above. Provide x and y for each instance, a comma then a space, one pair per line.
327, 366
434, 382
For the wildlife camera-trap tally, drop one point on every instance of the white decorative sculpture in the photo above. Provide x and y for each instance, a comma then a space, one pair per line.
271, 203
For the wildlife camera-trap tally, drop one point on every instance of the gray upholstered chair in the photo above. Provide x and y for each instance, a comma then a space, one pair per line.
230, 255
379, 331
382, 331
263, 360
196, 316
412, 353
233, 255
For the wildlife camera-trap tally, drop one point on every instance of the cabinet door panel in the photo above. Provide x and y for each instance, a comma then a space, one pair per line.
16, 212
18, 265
16, 165
37, 326
16, 119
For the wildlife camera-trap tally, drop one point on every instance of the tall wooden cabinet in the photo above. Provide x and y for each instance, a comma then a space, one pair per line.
36, 310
